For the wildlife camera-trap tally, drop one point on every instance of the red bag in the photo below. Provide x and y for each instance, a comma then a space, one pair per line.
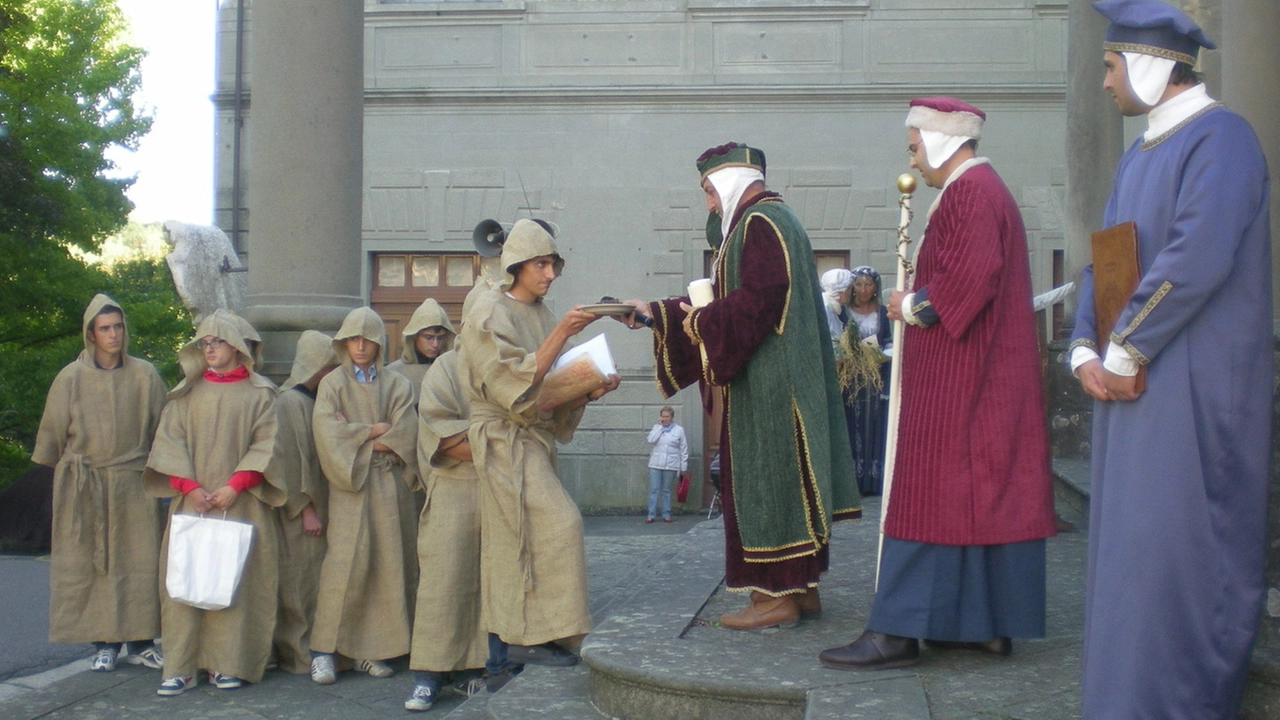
682, 489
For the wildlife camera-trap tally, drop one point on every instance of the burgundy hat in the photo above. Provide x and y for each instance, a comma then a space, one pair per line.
946, 115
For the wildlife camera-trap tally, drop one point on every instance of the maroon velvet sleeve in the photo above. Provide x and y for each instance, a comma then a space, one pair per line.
733, 326
678, 362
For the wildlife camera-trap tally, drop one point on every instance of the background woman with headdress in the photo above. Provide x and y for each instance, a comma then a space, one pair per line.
862, 360
837, 284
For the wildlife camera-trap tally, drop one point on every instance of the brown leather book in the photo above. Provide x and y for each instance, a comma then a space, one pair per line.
1115, 276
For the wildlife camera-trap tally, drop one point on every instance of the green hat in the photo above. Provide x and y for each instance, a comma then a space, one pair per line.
730, 155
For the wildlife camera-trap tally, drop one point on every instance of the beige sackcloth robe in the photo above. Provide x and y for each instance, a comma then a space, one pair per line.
429, 314
447, 634
298, 468
96, 433
208, 432
370, 569
533, 561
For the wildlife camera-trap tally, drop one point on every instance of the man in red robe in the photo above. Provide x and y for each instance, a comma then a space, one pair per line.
971, 502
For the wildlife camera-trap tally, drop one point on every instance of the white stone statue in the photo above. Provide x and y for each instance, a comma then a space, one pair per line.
205, 269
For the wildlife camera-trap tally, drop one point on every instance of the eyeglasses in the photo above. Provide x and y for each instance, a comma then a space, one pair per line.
433, 338
912, 149
214, 343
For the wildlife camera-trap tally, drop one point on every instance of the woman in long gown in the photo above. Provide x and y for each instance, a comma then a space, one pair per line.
863, 360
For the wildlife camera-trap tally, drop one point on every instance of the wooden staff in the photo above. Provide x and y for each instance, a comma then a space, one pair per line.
906, 186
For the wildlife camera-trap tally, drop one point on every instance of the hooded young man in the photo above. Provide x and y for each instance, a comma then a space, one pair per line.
366, 435
303, 516
785, 466
448, 636
534, 575
963, 562
426, 336
99, 419
1178, 511
210, 455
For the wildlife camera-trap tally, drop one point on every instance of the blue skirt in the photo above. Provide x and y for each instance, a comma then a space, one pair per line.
971, 593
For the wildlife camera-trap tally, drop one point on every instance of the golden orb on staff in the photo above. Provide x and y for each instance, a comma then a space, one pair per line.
906, 183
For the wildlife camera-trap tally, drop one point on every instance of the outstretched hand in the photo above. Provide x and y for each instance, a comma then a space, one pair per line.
575, 321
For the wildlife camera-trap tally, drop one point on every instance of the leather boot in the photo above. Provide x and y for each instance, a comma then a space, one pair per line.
764, 612
872, 651
810, 604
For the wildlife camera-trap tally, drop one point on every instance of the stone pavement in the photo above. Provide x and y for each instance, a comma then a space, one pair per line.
658, 653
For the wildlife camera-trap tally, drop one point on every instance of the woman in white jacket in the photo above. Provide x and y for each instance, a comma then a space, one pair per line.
669, 458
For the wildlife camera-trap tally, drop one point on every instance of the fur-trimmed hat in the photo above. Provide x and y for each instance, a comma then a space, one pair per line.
946, 115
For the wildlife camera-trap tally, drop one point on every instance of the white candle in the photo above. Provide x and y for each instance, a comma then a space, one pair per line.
701, 293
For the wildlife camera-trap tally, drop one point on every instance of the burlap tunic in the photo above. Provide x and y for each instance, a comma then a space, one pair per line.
533, 562
300, 555
96, 432
447, 634
412, 365
370, 570
208, 432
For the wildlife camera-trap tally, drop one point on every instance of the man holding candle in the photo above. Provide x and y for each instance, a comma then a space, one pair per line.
786, 470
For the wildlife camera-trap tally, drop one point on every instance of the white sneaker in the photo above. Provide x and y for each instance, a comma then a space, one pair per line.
322, 672
150, 657
176, 685
423, 697
104, 660
375, 668
224, 682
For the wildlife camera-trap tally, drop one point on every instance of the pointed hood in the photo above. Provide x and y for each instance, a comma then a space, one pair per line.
315, 353
222, 324
428, 315
99, 303
528, 239
361, 322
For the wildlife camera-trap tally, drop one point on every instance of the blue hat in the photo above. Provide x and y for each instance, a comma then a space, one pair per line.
1152, 27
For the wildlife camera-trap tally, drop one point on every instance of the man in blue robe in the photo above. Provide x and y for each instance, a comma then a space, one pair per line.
1177, 530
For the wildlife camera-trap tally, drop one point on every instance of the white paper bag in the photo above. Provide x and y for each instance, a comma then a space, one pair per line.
206, 560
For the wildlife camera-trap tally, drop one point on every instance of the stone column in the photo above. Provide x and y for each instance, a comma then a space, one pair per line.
305, 169
1095, 139
1250, 57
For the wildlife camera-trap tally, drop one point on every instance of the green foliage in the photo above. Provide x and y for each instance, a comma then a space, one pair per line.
67, 83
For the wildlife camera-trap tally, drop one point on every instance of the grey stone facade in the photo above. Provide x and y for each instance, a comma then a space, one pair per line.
590, 113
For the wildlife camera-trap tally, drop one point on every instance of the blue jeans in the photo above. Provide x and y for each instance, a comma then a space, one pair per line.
660, 481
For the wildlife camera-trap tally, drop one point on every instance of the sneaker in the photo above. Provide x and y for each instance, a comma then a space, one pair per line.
375, 668
423, 697
224, 682
547, 653
497, 681
150, 657
104, 660
469, 686
176, 685
322, 672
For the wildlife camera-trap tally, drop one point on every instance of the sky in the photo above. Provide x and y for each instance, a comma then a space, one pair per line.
174, 162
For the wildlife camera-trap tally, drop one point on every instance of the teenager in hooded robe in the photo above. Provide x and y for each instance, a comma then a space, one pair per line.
211, 455
99, 418
533, 575
305, 512
366, 434
426, 336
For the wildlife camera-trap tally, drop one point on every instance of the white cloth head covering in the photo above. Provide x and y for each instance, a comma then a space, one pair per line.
730, 183
945, 124
834, 282
1148, 75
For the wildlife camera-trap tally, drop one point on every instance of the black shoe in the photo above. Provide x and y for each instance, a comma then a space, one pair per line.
547, 653
872, 651
497, 681
1001, 646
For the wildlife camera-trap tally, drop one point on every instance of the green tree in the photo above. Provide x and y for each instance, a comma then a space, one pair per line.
67, 83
